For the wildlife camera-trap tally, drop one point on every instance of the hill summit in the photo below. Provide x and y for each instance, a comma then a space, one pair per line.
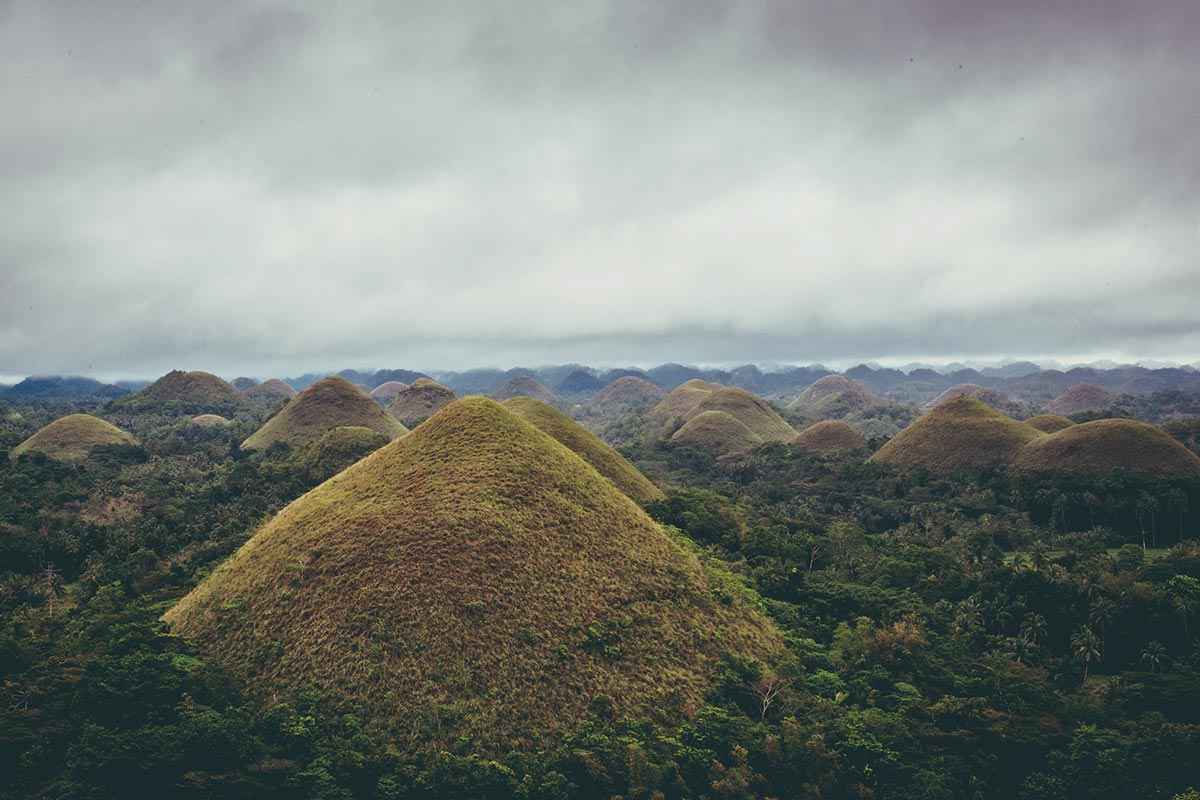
329, 403
73, 438
525, 386
189, 393
474, 581
829, 436
1108, 443
590, 447
961, 433
422, 399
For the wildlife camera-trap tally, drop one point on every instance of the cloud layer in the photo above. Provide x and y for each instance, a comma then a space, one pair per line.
443, 185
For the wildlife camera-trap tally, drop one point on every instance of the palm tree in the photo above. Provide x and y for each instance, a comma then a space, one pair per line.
1101, 617
1185, 596
1085, 646
1033, 628
1155, 655
1179, 501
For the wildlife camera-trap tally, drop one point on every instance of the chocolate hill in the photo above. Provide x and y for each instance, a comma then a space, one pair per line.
475, 563
829, 436
184, 393
422, 399
962, 433
1108, 443
73, 438
329, 403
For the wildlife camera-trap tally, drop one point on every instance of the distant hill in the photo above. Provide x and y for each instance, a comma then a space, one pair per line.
422, 399
605, 460
73, 438
751, 411
717, 432
989, 396
837, 397
579, 383
184, 393
625, 394
962, 433
1080, 398
476, 559
829, 436
1108, 443
386, 392
682, 399
56, 387
270, 392
329, 403
209, 421
525, 386
1049, 423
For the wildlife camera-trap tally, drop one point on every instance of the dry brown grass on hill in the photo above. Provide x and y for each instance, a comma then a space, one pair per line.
962, 433
421, 400
989, 396
627, 393
525, 386
831, 389
749, 410
386, 392
1079, 398
607, 461
180, 392
270, 392
717, 432
474, 582
73, 438
829, 436
209, 421
682, 399
329, 403
1106, 444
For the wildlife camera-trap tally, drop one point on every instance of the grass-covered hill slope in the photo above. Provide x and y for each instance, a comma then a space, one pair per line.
421, 400
717, 432
829, 436
1107, 443
1080, 398
747, 409
73, 438
474, 581
682, 399
962, 433
180, 392
386, 392
270, 392
1049, 423
339, 448
627, 393
833, 395
524, 386
607, 461
329, 403
989, 396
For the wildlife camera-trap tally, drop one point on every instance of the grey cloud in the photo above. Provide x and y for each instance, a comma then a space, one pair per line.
449, 184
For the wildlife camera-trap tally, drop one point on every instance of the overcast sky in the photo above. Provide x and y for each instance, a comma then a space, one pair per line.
268, 189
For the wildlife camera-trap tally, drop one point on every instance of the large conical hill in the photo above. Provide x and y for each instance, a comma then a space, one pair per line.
73, 438
1106, 444
626, 393
832, 393
682, 399
829, 436
181, 393
590, 447
329, 403
962, 433
476, 580
1080, 398
421, 400
749, 410
717, 432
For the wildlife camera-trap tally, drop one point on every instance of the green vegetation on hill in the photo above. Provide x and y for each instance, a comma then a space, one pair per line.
421, 400
829, 436
1049, 423
607, 461
717, 432
475, 581
836, 397
752, 412
1106, 444
73, 438
962, 433
339, 448
183, 393
329, 403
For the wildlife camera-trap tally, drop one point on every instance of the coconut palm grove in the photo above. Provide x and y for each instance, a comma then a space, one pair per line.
573, 583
